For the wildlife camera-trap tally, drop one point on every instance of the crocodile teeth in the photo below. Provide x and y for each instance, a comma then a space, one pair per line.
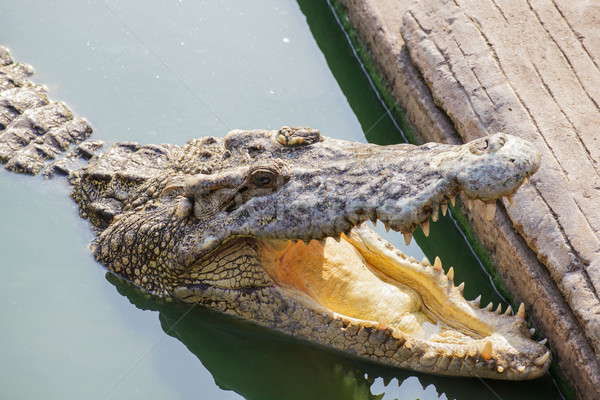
508, 310
470, 203
500, 369
437, 264
490, 211
425, 228
450, 274
489, 307
426, 262
453, 201
525, 180
532, 331
387, 227
396, 333
521, 312
511, 200
461, 287
542, 359
486, 353
477, 301
374, 221
435, 214
407, 237
499, 309
543, 341
444, 207
521, 368
382, 325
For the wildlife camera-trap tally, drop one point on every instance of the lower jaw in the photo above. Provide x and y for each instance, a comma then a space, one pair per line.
444, 322
451, 338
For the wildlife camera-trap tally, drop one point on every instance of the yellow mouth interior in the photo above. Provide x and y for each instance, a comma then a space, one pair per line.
350, 279
338, 277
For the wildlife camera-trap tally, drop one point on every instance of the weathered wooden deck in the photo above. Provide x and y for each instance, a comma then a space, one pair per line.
531, 68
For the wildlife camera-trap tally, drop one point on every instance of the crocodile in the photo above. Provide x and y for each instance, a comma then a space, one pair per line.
270, 226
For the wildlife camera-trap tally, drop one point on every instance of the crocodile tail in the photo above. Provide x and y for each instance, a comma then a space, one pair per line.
36, 132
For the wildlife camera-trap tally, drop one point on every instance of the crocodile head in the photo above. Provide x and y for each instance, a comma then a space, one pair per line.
267, 225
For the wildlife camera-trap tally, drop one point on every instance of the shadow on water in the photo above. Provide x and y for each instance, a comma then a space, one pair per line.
260, 364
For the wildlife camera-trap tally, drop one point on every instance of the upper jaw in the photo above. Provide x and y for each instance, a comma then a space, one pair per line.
339, 185
402, 187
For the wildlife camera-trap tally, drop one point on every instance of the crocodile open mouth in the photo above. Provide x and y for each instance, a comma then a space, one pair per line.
364, 278
364, 281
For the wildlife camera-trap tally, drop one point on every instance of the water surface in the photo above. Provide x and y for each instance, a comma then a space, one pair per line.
167, 71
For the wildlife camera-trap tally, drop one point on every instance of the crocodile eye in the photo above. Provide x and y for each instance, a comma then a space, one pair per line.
263, 178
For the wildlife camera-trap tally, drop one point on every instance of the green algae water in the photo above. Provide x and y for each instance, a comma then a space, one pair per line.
167, 71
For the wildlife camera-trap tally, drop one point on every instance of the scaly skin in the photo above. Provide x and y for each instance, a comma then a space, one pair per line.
266, 225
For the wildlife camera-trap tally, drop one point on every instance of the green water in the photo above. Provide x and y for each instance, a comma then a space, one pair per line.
166, 71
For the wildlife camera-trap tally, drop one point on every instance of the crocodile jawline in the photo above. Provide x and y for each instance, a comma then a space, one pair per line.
383, 304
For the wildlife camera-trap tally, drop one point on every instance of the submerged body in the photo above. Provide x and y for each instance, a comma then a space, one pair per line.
266, 225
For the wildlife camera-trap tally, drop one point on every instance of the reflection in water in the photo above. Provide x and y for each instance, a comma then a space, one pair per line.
249, 360
260, 364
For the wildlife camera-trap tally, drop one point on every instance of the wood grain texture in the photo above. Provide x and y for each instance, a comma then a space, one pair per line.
530, 68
